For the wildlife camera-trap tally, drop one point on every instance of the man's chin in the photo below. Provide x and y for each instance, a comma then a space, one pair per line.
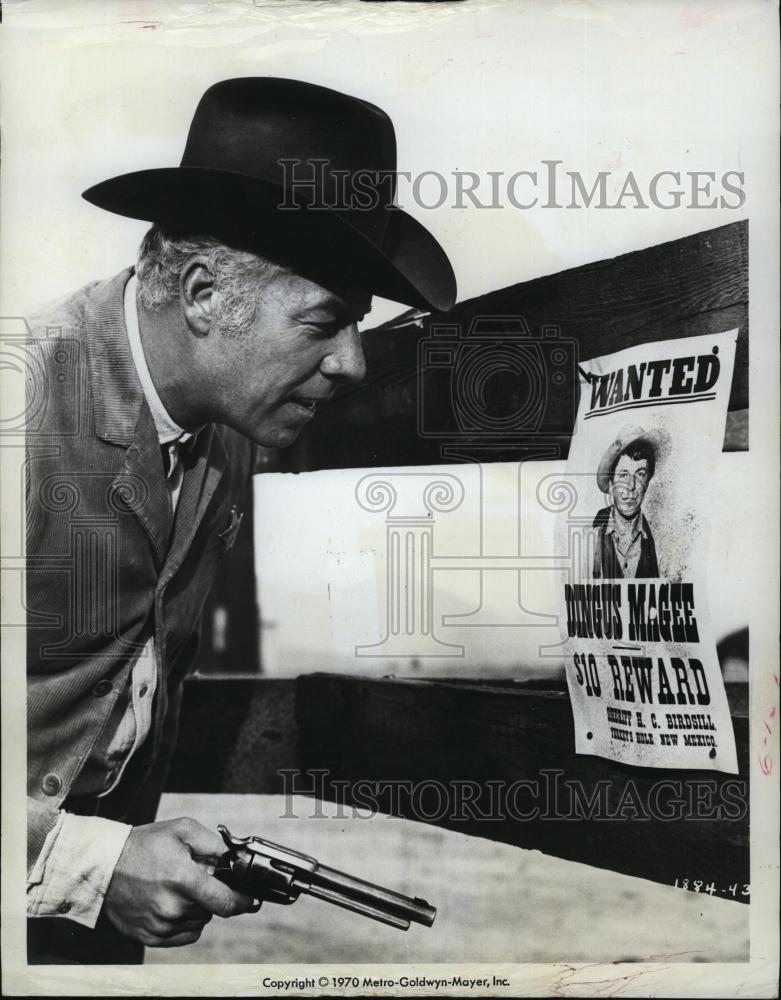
273, 437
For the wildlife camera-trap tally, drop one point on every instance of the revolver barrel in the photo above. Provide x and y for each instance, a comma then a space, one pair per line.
357, 906
372, 900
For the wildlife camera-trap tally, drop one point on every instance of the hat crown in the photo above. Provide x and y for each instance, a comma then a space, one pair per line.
261, 147
273, 129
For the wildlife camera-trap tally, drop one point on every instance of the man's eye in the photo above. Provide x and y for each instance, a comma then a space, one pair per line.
325, 329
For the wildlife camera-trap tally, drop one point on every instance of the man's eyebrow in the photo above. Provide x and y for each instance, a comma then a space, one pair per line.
336, 305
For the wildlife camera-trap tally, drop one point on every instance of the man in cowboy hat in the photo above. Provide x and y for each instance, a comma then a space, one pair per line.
238, 321
624, 543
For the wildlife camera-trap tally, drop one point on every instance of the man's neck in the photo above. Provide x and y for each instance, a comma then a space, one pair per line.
626, 526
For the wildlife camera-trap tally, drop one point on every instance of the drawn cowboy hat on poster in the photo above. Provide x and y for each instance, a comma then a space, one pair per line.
299, 173
624, 543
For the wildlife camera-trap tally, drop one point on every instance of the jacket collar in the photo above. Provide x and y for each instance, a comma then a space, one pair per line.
122, 417
117, 396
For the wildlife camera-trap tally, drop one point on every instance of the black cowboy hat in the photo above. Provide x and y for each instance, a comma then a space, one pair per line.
298, 173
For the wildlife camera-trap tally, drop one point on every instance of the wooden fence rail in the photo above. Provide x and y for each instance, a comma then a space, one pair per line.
487, 759
405, 412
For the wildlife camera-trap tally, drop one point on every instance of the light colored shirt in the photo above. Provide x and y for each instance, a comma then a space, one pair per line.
74, 869
136, 722
170, 435
627, 540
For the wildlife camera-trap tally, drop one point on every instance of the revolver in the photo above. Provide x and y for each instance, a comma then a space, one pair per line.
271, 873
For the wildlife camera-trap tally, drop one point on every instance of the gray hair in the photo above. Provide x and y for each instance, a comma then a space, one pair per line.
161, 260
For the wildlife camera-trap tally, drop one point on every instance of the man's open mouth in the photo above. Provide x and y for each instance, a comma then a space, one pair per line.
310, 402
307, 405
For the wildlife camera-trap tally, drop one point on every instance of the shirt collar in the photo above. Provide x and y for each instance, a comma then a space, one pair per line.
167, 428
637, 527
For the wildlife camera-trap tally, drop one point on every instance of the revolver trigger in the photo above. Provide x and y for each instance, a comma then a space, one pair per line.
256, 905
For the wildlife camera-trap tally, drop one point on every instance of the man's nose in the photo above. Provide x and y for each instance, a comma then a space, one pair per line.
345, 360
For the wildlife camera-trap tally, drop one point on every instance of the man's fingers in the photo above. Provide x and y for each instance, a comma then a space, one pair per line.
214, 895
178, 940
192, 911
164, 930
203, 842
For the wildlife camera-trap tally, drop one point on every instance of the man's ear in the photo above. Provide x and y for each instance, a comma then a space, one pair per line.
196, 290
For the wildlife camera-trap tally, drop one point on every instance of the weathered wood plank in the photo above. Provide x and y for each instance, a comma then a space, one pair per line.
409, 746
697, 285
235, 735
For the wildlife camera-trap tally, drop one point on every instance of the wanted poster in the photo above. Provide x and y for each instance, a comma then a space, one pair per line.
389, 464
642, 672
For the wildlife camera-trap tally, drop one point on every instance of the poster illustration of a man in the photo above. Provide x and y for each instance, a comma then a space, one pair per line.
624, 543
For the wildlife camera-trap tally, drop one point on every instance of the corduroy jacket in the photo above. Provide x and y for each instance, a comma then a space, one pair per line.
107, 563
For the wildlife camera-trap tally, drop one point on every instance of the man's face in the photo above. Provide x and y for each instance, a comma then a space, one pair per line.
630, 481
303, 344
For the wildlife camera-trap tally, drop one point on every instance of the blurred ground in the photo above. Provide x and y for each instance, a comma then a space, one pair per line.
495, 903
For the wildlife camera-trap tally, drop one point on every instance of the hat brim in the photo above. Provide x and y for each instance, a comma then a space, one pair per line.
405, 263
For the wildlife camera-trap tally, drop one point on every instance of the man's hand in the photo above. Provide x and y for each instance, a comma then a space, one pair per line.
159, 895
